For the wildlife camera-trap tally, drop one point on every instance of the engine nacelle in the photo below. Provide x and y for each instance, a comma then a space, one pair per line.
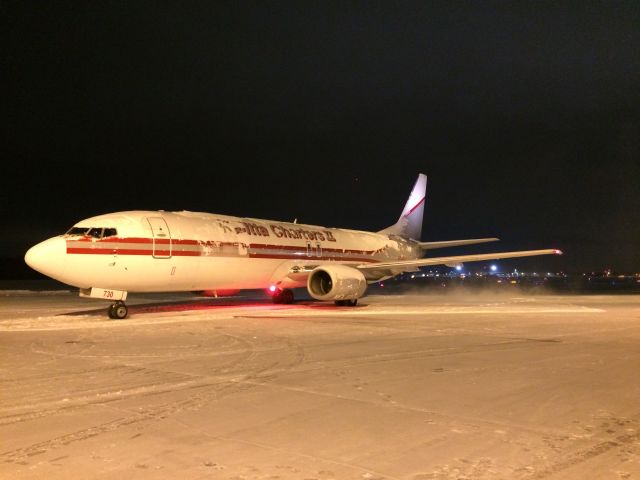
336, 282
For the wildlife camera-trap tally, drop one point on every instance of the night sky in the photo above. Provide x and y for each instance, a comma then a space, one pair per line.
524, 116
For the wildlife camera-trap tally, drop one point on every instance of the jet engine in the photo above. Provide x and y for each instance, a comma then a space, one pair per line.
336, 282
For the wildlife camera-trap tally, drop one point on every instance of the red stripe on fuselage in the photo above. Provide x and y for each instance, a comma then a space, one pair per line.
102, 247
300, 248
129, 251
165, 241
313, 257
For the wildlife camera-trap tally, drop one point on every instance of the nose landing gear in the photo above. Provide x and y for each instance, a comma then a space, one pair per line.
118, 310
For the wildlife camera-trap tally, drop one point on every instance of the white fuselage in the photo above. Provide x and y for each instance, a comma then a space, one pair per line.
157, 251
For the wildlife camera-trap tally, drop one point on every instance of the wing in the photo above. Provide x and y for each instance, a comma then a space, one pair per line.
455, 243
394, 268
294, 273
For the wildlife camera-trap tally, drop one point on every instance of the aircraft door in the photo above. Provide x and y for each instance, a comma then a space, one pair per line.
161, 237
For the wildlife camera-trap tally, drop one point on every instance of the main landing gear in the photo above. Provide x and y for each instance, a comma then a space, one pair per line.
283, 296
118, 310
346, 303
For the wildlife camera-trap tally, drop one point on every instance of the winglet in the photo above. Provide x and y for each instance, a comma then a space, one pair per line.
409, 224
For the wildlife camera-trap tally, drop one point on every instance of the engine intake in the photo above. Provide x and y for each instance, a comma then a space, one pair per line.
336, 282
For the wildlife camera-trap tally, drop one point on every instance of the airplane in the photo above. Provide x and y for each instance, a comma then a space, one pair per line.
110, 255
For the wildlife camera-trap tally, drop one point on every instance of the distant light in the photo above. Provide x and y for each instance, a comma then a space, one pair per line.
494, 268
458, 267
273, 288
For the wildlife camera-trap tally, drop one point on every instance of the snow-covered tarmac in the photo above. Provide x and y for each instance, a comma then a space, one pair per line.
416, 387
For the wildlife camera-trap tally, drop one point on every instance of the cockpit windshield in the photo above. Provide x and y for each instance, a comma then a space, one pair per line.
95, 232
77, 231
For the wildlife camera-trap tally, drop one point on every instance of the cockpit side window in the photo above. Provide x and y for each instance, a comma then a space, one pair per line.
109, 232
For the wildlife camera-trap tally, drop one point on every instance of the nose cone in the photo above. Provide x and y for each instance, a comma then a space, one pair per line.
48, 257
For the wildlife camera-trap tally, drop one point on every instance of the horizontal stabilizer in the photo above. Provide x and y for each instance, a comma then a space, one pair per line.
455, 243
406, 265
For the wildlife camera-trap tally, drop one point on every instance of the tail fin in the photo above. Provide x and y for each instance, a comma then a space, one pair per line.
409, 224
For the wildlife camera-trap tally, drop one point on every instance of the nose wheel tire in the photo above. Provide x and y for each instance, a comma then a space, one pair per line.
118, 311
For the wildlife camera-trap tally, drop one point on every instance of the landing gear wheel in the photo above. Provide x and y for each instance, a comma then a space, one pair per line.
118, 310
346, 303
285, 296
